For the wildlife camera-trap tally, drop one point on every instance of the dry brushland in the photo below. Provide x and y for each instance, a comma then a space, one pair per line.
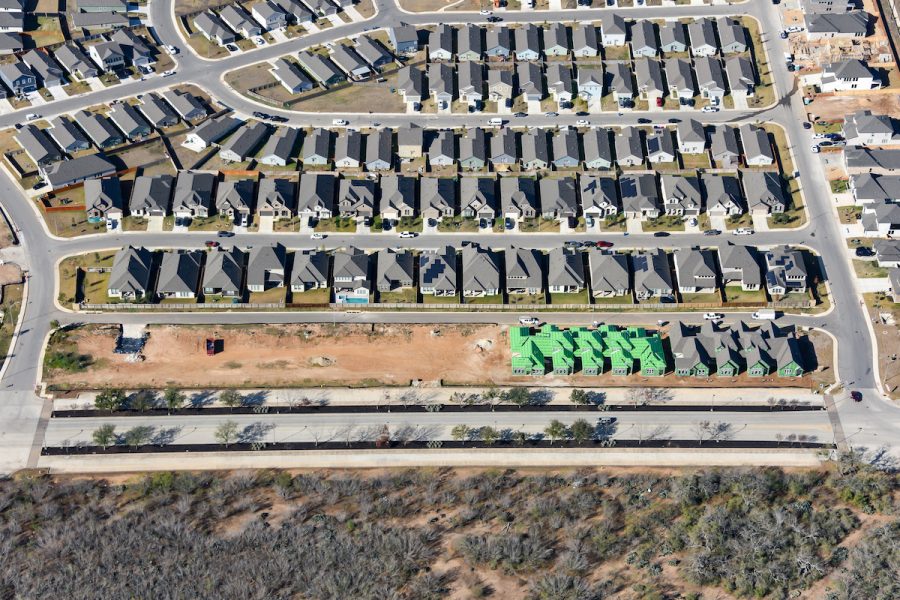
426, 534
314, 355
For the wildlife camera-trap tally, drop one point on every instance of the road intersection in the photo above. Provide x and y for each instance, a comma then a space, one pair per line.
873, 423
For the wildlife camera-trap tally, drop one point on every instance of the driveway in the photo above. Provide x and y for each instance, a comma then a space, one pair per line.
155, 224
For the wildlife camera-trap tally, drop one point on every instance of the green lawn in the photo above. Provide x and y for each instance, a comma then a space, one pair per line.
73, 275
736, 221
320, 296
700, 298
582, 297
429, 299
410, 224
614, 224
794, 216
539, 225
497, 299
214, 223
664, 223
839, 186
458, 224
404, 296
626, 299
337, 224
527, 299
270, 296
734, 293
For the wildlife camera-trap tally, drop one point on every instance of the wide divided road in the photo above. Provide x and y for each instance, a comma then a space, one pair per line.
872, 423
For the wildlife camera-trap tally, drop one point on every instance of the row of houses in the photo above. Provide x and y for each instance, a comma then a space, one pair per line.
124, 122
595, 148
41, 68
198, 194
234, 21
701, 351
473, 272
643, 78
528, 42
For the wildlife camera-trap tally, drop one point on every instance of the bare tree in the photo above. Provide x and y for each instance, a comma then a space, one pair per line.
226, 432
701, 430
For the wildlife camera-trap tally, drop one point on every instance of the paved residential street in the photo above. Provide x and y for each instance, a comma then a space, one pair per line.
872, 423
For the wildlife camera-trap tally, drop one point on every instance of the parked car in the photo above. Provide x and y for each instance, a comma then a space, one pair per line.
340, 122
807, 125
551, 114
711, 316
407, 234
212, 244
863, 251
856, 396
485, 12
661, 234
712, 232
709, 109
529, 321
225, 234
317, 236
604, 244
171, 49
582, 122
743, 231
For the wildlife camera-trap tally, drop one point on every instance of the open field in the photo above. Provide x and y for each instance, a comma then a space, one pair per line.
885, 315
542, 534
356, 355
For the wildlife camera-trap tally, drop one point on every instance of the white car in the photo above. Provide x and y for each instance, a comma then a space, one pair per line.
340, 122
485, 13
692, 221
712, 316
814, 148
32, 117
259, 41
582, 122
317, 236
528, 321
171, 49
168, 73
710, 109
743, 231
407, 234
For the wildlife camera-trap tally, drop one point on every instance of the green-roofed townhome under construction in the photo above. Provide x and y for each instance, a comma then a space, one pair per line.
592, 351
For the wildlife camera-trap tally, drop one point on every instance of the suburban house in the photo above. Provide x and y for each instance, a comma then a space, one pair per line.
649, 78
441, 151
643, 39
133, 47
681, 194
503, 149
379, 150
640, 198
723, 195
211, 131
193, 195
290, 76
266, 267
98, 127
398, 198
66, 135
18, 78
500, 86
437, 272
49, 73
497, 43
269, 15
527, 42
404, 39
213, 28
610, 277
524, 274
478, 199
853, 24
556, 40
130, 121
613, 31
757, 149
150, 196
296, 11
629, 149
826, 6
703, 38
680, 79
660, 147
410, 141
473, 149
566, 154
710, 79
535, 150
565, 271
696, 271
441, 84
373, 52
239, 20
585, 42
723, 146
75, 61
672, 37
652, 276
559, 198
321, 68
785, 271
157, 112
129, 278
470, 82
597, 149
185, 104
732, 37
245, 142
845, 75
741, 78
223, 274
108, 56
599, 198
234, 199
411, 85
315, 196
764, 191
590, 84
531, 81
437, 198
620, 83
309, 271
480, 271
393, 270
38, 146
887, 253
469, 43
351, 63
440, 43
740, 266
356, 198
276, 198
559, 82
518, 198
691, 137
317, 148
868, 160
863, 128
348, 150
68, 172
280, 148
103, 201
179, 274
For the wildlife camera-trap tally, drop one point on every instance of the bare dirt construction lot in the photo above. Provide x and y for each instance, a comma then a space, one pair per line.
356, 355
829, 108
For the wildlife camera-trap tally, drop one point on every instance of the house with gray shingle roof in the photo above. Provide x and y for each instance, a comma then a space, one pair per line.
75, 61
404, 38
351, 63
498, 42
531, 81
629, 149
317, 148
49, 73
442, 150
503, 149
37, 145
150, 195
473, 149
722, 193
518, 198
348, 150
732, 37
68, 172
585, 42
524, 271
597, 149
703, 37
660, 148
411, 84
469, 41
440, 43
680, 79
315, 196
157, 112
437, 272
741, 78
103, 201
765, 192
565, 271
321, 68
863, 128
559, 198
620, 82
724, 147
129, 277
740, 266
643, 39
410, 141
185, 104
193, 195
99, 129
437, 198
844, 75
213, 28
224, 273
757, 148
478, 198
356, 198
691, 137
281, 148
590, 83
480, 271
380, 150
310, 271
266, 267
613, 31
269, 15
500, 86
239, 20
393, 270
441, 84
373, 52
130, 121
277, 198
179, 274
559, 82
290, 76
566, 154
527, 42
649, 79
556, 40
244, 142
681, 194
710, 79
672, 37
785, 271
296, 11
609, 274
234, 199
599, 198
696, 271
853, 24
652, 276
640, 198
535, 150
398, 197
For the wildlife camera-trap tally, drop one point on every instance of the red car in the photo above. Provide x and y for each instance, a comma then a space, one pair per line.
212, 244
603, 244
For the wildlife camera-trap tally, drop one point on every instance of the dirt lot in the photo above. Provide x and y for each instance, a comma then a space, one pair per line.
827, 108
314, 355
888, 339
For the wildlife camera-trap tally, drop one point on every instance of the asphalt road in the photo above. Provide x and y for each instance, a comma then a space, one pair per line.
873, 423
428, 426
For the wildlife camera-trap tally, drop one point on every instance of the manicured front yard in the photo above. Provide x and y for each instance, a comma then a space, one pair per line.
849, 214
868, 268
527, 299
539, 225
664, 223
270, 296
458, 225
734, 293
402, 296
337, 224
76, 283
582, 297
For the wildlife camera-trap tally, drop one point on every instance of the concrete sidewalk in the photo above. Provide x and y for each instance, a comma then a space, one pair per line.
428, 395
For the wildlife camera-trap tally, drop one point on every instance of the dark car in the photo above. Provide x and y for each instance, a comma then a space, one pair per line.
712, 232
807, 125
520, 114
661, 234
857, 396
644, 120
278, 119
231, 47
225, 234
863, 251
494, 19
